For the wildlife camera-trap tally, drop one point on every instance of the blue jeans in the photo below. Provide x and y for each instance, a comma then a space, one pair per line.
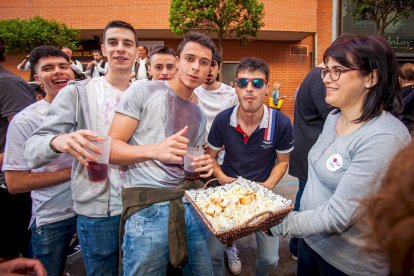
266, 259
310, 263
145, 243
99, 240
293, 245
50, 244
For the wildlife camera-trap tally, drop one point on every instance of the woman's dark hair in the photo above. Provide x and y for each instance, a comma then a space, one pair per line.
369, 53
388, 215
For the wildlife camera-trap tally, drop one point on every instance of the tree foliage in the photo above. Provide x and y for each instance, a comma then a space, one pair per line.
223, 17
21, 36
382, 12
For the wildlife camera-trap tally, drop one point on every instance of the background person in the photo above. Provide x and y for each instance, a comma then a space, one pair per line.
76, 65
407, 93
361, 79
389, 214
162, 63
97, 67
15, 95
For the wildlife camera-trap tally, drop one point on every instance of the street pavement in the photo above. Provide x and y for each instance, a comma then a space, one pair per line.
287, 188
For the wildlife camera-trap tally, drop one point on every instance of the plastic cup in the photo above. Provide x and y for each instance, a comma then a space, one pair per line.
98, 171
188, 158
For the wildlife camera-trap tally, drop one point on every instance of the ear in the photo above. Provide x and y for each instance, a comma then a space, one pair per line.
103, 49
372, 79
177, 61
37, 79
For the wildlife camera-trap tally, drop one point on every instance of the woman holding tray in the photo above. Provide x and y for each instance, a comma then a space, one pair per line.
359, 139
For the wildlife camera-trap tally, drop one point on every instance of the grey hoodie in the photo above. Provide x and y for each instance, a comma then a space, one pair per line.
71, 110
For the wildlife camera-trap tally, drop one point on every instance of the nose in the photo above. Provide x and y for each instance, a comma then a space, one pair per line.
120, 46
249, 87
196, 65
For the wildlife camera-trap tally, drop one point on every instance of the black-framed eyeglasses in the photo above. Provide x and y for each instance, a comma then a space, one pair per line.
256, 82
335, 73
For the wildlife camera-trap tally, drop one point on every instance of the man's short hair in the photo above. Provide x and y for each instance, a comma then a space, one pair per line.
144, 47
253, 64
199, 38
97, 52
45, 51
163, 50
217, 57
120, 24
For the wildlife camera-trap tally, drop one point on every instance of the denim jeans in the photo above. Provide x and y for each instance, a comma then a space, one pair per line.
50, 244
145, 243
99, 240
310, 263
293, 245
266, 259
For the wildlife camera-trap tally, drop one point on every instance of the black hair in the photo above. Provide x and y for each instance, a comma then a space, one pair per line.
164, 50
217, 57
120, 24
199, 38
97, 51
253, 64
45, 51
368, 53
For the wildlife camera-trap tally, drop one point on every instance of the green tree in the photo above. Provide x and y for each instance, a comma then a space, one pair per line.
21, 36
382, 12
223, 17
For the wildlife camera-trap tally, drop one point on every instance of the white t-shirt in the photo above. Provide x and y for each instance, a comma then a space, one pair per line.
107, 99
142, 70
49, 204
212, 102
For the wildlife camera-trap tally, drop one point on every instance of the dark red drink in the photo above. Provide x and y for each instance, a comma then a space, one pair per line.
97, 172
192, 175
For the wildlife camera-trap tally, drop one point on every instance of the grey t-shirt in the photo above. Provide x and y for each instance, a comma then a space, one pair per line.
342, 171
161, 113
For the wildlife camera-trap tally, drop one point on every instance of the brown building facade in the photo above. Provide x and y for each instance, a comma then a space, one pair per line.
294, 37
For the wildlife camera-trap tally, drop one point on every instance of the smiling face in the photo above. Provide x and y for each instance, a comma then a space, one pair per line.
163, 66
193, 65
349, 91
53, 73
251, 98
120, 49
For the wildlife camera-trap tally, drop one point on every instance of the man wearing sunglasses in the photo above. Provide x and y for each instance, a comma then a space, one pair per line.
257, 140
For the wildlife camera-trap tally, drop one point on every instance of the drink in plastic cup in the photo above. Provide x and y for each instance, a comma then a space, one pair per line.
188, 158
98, 171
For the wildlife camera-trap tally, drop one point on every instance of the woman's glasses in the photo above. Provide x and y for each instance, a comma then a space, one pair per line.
335, 73
243, 82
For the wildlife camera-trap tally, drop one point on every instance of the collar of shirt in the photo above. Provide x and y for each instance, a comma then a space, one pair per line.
263, 124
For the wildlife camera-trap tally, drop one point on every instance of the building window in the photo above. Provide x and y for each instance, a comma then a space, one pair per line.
228, 69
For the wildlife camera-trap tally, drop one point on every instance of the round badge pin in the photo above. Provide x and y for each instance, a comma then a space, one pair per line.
334, 162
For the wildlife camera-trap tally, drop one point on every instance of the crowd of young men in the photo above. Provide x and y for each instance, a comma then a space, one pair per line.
151, 122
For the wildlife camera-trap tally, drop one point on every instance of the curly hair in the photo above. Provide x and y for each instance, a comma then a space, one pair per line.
389, 214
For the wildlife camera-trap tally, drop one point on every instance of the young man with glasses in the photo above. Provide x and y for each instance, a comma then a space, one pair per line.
257, 140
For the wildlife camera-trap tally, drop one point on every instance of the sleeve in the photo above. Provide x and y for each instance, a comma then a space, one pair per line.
284, 137
77, 67
61, 118
338, 213
215, 137
102, 70
15, 96
18, 132
201, 139
132, 102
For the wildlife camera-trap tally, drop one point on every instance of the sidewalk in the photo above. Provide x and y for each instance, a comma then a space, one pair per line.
287, 188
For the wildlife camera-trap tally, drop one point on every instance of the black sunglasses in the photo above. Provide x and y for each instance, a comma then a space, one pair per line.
243, 82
